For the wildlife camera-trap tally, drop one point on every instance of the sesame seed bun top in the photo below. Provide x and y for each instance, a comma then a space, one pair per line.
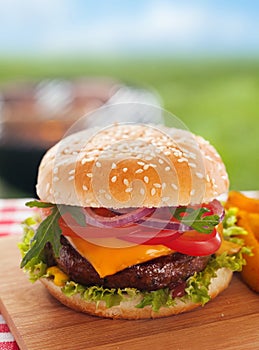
131, 165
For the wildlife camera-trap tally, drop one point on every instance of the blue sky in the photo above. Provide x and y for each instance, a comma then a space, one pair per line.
129, 27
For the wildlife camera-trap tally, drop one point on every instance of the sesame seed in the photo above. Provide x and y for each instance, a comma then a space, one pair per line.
89, 175
138, 171
129, 189
178, 153
163, 185
85, 188
181, 160
160, 161
98, 164
167, 153
153, 191
114, 166
167, 168
192, 192
125, 170
47, 186
56, 179
87, 160
146, 179
55, 170
192, 165
71, 178
74, 153
208, 178
102, 191
71, 172
142, 191
199, 175
107, 196
114, 178
157, 185
209, 158
214, 183
126, 182
174, 186
165, 199
141, 163
146, 166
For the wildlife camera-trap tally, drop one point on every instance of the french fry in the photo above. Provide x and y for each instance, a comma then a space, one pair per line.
250, 272
254, 223
248, 218
242, 202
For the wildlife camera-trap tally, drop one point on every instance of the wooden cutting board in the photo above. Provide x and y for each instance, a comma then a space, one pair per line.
37, 321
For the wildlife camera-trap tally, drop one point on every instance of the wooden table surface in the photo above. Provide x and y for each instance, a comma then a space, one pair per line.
37, 321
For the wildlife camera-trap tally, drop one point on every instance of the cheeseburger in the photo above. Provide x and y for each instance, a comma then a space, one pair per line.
129, 225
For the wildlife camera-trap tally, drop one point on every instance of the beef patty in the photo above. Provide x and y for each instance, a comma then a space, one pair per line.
166, 271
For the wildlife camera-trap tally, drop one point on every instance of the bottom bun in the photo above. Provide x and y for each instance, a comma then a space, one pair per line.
127, 309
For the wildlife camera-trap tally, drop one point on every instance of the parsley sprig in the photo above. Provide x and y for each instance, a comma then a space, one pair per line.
196, 219
49, 229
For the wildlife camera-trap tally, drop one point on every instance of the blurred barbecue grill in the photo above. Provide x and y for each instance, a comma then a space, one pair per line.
35, 115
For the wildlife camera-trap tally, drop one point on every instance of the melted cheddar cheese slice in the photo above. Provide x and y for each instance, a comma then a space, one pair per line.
108, 261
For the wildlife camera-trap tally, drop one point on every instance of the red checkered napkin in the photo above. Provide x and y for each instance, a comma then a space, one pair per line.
12, 213
7, 341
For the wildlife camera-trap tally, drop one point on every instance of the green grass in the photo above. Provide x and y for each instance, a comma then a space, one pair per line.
218, 100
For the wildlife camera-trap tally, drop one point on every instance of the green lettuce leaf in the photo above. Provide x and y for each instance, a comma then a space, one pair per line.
155, 298
197, 285
230, 228
36, 267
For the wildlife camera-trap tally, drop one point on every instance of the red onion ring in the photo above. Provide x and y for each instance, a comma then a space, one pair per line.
67, 222
216, 207
96, 220
137, 225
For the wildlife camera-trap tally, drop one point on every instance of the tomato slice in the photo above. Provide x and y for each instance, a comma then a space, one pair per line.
195, 243
190, 242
